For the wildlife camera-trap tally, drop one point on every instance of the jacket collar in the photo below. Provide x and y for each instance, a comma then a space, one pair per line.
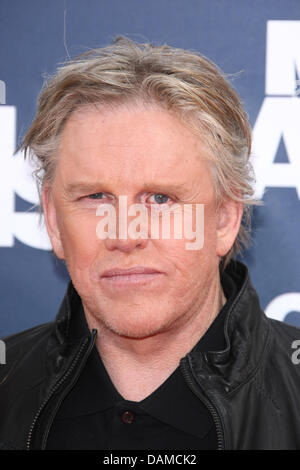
64, 342
246, 331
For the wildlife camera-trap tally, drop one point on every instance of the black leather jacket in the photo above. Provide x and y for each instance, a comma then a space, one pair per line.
251, 388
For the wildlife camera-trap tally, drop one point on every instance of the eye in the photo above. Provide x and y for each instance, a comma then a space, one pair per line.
159, 198
96, 196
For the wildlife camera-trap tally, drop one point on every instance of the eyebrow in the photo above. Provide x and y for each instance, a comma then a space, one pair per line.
81, 187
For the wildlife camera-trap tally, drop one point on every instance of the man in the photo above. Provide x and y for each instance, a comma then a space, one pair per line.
158, 343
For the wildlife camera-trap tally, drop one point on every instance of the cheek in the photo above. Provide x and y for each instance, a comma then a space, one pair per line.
191, 264
183, 265
79, 239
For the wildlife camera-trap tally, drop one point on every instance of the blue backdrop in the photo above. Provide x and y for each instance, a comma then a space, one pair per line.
259, 39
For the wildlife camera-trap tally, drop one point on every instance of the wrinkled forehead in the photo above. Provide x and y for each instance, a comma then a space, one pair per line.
130, 144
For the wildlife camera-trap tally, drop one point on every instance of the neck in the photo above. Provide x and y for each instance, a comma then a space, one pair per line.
138, 366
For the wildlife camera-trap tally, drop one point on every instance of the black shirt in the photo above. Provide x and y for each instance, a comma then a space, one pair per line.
95, 416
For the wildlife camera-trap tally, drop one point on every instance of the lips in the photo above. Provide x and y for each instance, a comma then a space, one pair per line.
142, 270
125, 279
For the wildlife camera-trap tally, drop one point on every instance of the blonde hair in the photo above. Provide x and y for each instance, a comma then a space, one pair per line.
181, 81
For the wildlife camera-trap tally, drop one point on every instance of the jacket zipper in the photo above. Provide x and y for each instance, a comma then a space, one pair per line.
216, 418
56, 386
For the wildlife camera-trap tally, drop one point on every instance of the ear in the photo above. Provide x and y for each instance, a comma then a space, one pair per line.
229, 220
51, 222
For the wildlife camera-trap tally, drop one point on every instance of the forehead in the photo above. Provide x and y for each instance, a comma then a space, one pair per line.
130, 144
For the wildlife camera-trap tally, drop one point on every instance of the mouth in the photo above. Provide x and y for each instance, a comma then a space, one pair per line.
130, 276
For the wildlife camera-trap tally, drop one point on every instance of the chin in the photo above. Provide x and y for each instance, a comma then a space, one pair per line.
136, 329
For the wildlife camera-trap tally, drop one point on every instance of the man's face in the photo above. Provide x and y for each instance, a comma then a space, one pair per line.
141, 153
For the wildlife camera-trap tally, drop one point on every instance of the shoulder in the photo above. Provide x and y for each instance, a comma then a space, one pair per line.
283, 352
24, 351
22, 382
286, 332
28, 338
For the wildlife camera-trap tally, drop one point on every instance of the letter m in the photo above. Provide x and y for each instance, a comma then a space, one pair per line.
283, 57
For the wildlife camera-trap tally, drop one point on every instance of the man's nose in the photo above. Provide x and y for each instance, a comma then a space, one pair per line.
125, 245
128, 235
